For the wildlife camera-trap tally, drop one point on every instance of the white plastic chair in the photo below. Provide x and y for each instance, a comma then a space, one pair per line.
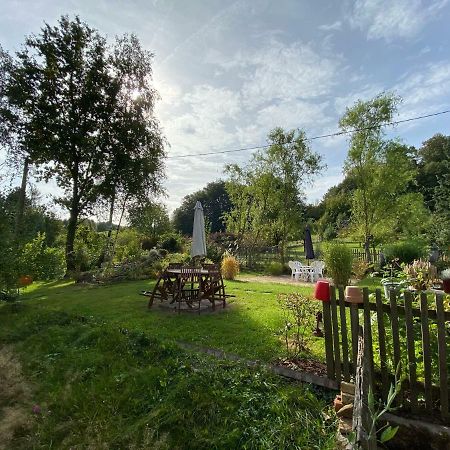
318, 267
297, 269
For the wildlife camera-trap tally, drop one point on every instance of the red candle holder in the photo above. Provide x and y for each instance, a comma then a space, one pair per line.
322, 291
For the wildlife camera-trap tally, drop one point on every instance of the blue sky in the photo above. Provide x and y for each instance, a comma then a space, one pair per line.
228, 72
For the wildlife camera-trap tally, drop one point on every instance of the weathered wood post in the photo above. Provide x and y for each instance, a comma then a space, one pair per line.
362, 421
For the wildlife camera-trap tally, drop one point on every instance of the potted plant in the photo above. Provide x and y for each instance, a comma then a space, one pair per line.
392, 282
420, 275
445, 276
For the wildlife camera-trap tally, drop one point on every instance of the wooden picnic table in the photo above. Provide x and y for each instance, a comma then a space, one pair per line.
188, 285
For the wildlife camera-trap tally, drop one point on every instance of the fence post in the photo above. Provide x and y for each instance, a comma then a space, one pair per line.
362, 421
328, 338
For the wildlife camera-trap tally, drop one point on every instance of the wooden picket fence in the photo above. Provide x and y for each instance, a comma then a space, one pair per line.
360, 254
397, 334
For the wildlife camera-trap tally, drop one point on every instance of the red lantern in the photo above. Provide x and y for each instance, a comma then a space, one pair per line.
322, 291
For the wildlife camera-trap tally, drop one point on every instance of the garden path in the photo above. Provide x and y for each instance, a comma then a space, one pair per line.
282, 279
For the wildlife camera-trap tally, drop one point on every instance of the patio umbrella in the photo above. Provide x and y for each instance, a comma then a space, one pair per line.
198, 247
309, 250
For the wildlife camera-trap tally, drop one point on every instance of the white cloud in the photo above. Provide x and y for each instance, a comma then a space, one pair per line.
292, 71
391, 19
335, 26
429, 84
278, 71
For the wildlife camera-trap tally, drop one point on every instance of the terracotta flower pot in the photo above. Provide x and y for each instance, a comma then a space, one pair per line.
25, 280
353, 294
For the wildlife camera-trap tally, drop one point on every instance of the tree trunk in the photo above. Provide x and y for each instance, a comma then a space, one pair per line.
367, 249
105, 251
70, 239
21, 201
72, 228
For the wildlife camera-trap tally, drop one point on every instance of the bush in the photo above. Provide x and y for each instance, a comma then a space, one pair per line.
405, 252
40, 261
338, 261
298, 317
128, 245
214, 251
275, 268
182, 258
149, 243
360, 268
172, 242
230, 267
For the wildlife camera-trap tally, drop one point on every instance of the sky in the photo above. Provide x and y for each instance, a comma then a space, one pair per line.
229, 72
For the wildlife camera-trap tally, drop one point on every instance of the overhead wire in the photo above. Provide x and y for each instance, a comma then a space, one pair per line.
322, 136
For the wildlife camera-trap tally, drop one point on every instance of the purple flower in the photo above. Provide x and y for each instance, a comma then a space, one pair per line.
36, 409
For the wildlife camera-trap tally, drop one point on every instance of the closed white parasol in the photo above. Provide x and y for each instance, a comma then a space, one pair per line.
198, 232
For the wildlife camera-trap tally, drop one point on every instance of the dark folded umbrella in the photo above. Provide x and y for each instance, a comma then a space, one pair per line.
309, 250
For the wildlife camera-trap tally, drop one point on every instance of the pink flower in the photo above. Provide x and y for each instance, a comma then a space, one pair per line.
36, 409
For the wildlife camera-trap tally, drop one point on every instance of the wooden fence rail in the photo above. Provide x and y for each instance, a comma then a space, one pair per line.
408, 329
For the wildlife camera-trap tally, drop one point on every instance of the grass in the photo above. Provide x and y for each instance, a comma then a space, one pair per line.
100, 384
249, 327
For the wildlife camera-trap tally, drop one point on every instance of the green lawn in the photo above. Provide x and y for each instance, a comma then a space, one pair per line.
106, 373
249, 326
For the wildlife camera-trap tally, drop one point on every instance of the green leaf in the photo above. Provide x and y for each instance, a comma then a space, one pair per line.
388, 434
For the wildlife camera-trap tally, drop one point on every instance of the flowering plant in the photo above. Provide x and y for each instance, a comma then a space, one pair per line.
421, 274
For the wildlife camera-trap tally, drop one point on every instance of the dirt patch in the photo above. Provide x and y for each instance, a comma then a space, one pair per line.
282, 279
304, 365
15, 400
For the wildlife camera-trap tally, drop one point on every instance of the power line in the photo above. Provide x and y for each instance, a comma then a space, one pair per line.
322, 136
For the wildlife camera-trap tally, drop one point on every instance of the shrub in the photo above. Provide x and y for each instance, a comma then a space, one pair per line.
127, 245
214, 251
360, 268
275, 268
172, 242
338, 260
230, 267
298, 317
405, 252
175, 258
149, 243
40, 261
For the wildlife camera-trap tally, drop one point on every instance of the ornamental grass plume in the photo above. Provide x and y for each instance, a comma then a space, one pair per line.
229, 267
421, 274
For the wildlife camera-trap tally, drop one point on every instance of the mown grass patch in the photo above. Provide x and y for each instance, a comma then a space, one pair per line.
249, 327
100, 385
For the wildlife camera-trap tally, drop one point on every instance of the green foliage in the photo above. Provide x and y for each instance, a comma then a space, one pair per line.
275, 268
149, 219
404, 251
382, 206
182, 258
125, 389
433, 159
338, 262
83, 110
266, 194
40, 261
128, 245
172, 242
298, 317
337, 209
88, 246
216, 203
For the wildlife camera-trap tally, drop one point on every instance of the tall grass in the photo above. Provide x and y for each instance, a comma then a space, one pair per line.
102, 386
